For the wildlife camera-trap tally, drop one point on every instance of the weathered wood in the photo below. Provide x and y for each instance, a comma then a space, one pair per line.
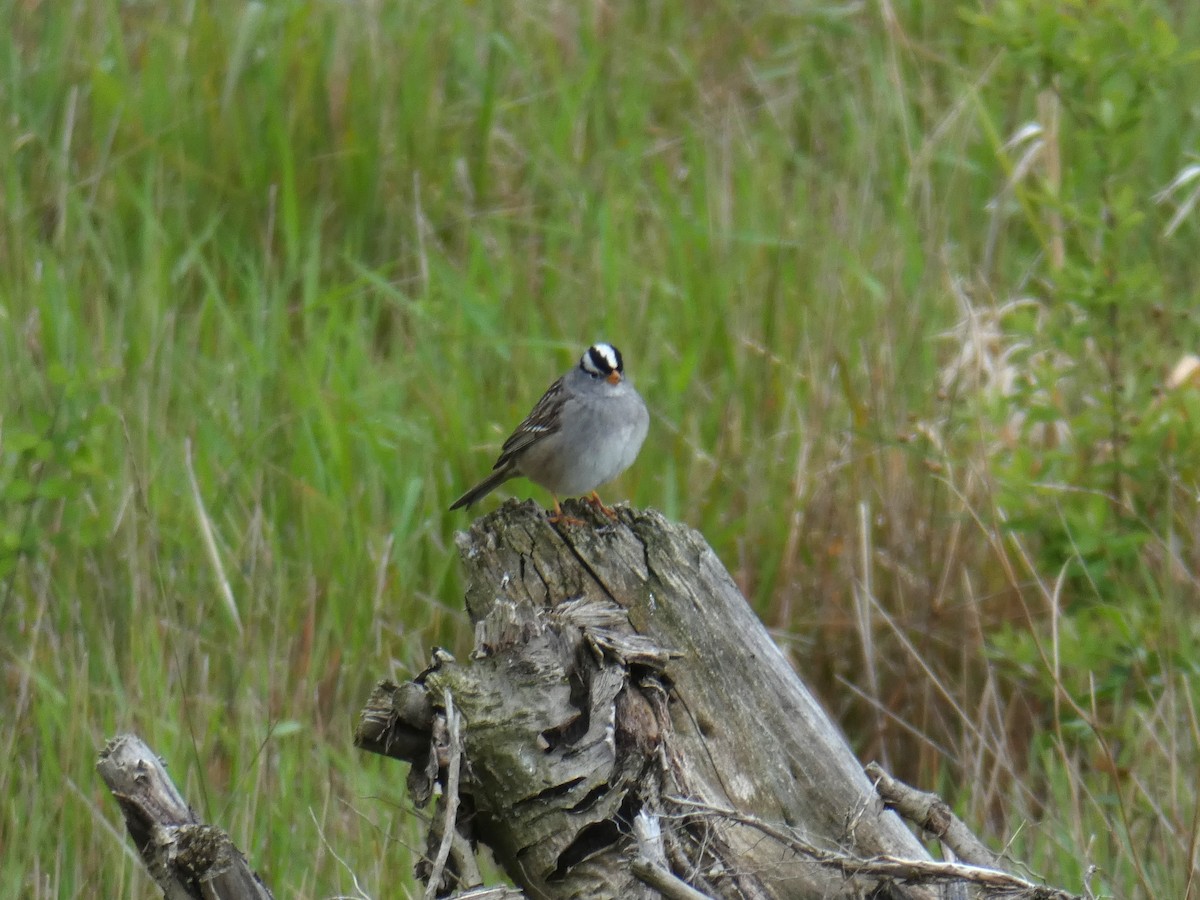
933, 815
188, 859
617, 667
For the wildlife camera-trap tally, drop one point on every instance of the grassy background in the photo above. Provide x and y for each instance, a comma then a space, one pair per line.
294, 269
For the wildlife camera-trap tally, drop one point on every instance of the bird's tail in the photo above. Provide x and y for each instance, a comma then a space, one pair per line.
484, 487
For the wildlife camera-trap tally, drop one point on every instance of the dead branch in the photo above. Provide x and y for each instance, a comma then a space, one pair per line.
912, 871
930, 813
187, 858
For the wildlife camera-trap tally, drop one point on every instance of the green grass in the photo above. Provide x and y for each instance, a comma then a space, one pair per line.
337, 250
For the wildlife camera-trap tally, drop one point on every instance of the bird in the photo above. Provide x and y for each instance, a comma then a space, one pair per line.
585, 431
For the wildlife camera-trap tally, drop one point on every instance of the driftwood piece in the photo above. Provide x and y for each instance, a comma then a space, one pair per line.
617, 667
188, 859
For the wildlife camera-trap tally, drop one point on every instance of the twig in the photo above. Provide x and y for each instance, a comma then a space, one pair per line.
664, 882
449, 798
650, 866
910, 870
362, 895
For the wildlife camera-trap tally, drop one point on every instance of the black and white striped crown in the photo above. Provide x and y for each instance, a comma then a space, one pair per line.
601, 360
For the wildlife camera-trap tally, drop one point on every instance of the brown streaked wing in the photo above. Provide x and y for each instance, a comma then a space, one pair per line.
542, 421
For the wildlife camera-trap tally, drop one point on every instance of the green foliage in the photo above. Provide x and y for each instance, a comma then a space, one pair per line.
1090, 476
52, 466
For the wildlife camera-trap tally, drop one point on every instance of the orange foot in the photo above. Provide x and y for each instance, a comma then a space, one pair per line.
595, 500
558, 517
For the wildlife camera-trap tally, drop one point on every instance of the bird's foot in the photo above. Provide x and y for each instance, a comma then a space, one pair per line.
558, 517
595, 500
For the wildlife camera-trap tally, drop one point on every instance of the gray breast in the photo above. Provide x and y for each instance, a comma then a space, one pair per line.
599, 439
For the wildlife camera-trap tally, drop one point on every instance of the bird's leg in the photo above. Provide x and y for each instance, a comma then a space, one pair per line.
595, 500
558, 517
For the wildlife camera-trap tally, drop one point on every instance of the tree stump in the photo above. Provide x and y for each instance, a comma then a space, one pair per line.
624, 720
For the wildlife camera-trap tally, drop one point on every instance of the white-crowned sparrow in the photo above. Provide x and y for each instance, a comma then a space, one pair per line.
585, 431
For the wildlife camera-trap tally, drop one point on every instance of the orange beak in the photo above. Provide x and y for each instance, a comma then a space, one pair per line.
614, 377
